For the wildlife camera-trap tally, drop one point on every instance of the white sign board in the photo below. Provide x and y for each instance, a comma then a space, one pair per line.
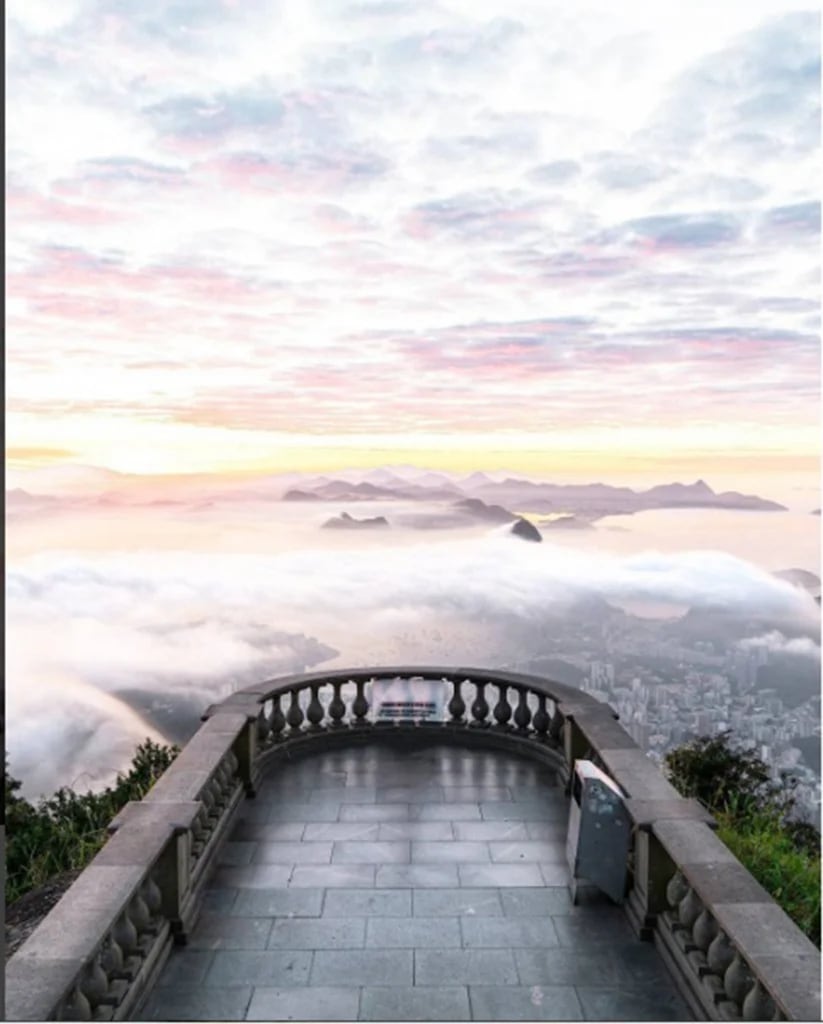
408, 699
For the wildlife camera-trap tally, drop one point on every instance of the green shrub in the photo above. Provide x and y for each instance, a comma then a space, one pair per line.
754, 821
63, 833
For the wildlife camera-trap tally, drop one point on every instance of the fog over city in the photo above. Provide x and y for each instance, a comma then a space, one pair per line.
116, 637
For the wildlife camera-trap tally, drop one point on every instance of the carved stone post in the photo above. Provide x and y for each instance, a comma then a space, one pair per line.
652, 870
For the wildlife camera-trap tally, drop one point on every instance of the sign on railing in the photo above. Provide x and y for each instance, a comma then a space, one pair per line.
415, 699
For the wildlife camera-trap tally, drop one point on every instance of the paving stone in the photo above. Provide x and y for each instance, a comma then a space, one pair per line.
314, 811
279, 903
548, 830
456, 902
455, 794
540, 1002
555, 874
253, 876
219, 901
595, 929
185, 967
365, 967
318, 933
565, 967
449, 852
410, 794
374, 812
284, 830
500, 875
410, 932
618, 1004
216, 931
308, 1003
197, 1004
368, 903
342, 830
464, 966
445, 1003
446, 812
333, 876
345, 794
293, 853
440, 831
536, 902
258, 967
508, 932
234, 854
530, 850
512, 810
483, 831
412, 876
370, 852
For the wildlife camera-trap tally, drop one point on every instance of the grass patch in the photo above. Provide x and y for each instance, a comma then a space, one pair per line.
65, 831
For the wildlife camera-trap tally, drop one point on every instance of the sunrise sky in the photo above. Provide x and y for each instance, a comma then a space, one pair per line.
565, 238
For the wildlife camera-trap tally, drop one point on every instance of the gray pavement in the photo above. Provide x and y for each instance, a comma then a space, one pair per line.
377, 884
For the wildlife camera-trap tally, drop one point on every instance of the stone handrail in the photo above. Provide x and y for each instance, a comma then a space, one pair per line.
713, 924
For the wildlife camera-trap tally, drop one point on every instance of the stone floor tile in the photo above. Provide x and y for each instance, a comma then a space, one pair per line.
456, 794
530, 850
464, 967
483, 831
564, 967
368, 903
619, 1004
553, 831
452, 852
456, 902
333, 876
306, 1003
416, 876
186, 1003
219, 901
185, 967
446, 812
217, 931
536, 902
556, 874
417, 1004
279, 903
258, 967
508, 932
305, 812
370, 852
236, 854
293, 853
440, 831
500, 875
345, 794
362, 967
318, 933
341, 830
410, 794
513, 810
374, 812
540, 1002
253, 876
412, 932
575, 930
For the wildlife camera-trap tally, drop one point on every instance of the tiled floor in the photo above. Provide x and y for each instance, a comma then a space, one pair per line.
373, 884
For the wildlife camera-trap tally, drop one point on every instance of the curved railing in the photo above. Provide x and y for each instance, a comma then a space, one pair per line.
732, 951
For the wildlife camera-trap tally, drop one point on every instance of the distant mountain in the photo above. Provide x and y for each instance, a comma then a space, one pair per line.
566, 523
295, 494
346, 522
525, 530
480, 510
800, 578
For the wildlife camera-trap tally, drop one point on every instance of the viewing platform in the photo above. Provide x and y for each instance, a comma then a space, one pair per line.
303, 859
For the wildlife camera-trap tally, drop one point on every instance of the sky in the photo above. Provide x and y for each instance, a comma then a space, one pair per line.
573, 239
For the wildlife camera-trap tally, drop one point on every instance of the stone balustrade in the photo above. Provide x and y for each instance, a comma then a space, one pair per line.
733, 953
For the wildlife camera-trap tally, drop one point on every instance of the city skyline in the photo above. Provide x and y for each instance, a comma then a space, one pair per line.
569, 242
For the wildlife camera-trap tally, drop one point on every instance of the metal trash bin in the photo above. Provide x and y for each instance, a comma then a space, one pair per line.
599, 833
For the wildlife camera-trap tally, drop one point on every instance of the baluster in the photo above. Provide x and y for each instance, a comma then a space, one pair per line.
705, 930
139, 914
94, 984
295, 713
502, 709
541, 717
77, 1006
676, 889
689, 908
360, 706
337, 708
111, 957
737, 980
457, 706
315, 711
152, 897
720, 953
758, 1004
556, 724
522, 713
480, 706
125, 934
262, 727
278, 719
